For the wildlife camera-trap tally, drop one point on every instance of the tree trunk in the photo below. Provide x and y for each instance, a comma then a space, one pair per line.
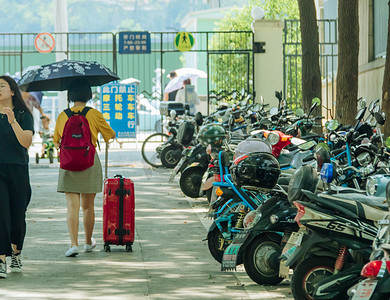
311, 75
348, 53
386, 83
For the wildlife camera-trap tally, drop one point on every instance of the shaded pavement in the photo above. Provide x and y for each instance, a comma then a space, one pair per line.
169, 258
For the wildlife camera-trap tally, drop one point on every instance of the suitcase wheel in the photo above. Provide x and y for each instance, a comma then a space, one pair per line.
107, 248
129, 248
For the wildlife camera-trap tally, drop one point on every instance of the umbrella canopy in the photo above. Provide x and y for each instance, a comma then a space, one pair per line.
58, 76
189, 72
130, 80
177, 82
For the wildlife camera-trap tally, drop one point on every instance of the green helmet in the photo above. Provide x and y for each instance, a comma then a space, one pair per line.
212, 134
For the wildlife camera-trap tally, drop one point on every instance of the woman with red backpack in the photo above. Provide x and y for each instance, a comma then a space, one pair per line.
80, 176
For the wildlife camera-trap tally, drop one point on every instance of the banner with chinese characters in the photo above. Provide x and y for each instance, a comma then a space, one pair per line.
118, 105
134, 42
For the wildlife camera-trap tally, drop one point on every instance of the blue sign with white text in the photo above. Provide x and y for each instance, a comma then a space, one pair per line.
118, 106
134, 42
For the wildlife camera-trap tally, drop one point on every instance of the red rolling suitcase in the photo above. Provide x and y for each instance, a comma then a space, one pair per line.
118, 212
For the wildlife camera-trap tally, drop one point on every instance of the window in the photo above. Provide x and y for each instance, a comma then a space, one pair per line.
381, 16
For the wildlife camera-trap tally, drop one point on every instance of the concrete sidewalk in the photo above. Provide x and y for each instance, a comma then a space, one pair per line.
169, 258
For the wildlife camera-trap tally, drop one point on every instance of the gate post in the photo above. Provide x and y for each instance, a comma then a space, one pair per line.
268, 57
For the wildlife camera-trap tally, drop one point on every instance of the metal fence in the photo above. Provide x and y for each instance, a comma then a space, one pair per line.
227, 58
292, 62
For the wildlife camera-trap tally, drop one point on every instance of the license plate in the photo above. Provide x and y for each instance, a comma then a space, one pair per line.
293, 243
365, 289
294, 240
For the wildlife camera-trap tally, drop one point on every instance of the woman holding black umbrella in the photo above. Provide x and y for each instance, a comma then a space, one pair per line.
82, 185
16, 131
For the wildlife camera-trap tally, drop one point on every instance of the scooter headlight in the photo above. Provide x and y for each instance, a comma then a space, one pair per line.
274, 219
364, 159
251, 218
371, 186
273, 138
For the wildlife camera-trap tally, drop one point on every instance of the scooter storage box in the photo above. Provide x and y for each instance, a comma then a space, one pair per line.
118, 212
185, 133
167, 106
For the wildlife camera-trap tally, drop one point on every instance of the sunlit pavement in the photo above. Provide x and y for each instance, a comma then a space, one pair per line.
169, 258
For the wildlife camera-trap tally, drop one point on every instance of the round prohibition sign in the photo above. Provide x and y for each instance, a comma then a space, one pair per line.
44, 42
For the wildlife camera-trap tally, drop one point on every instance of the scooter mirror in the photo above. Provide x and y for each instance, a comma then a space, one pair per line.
379, 118
273, 111
332, 124
363, 103
299, 112
316, 101
199, 118
372, 105
278, 95
387, 142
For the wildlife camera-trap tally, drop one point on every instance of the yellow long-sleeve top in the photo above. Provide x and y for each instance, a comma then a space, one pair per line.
96, 123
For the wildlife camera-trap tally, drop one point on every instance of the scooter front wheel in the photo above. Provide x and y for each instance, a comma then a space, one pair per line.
191, 181
261, 260
171, 155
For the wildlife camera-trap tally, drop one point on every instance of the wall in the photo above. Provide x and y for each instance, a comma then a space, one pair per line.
269, 65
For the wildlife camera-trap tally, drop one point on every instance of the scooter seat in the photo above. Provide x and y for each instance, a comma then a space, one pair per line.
361, 205
285, 159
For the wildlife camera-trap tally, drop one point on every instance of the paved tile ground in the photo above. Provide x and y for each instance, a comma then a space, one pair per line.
169, 261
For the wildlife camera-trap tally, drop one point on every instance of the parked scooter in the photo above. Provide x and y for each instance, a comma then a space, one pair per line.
376, 274
191, 177
266, 231
336, 231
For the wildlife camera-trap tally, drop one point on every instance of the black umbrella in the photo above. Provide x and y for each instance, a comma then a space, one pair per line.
58, 76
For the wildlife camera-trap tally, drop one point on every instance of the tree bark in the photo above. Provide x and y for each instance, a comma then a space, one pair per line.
386, 83
311, 75
348, 54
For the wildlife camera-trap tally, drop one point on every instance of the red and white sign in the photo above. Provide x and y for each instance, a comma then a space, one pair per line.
44, 42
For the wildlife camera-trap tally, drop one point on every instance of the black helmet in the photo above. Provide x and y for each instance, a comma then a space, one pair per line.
257, 169
212, 134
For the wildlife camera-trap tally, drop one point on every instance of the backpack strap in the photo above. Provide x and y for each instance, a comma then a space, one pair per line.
69, 112
84, 111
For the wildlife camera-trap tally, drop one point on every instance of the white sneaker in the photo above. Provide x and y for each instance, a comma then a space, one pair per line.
72, 252
3, 269
89, 248
16, 263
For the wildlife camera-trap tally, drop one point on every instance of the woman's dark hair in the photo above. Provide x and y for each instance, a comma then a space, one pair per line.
79, 90
187, 81
17, 99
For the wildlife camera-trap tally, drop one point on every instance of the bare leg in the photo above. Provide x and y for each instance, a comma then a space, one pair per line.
87, 203
14, 250
2, 257
73, 202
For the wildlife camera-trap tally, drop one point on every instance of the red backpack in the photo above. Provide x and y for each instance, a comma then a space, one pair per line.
77, 152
